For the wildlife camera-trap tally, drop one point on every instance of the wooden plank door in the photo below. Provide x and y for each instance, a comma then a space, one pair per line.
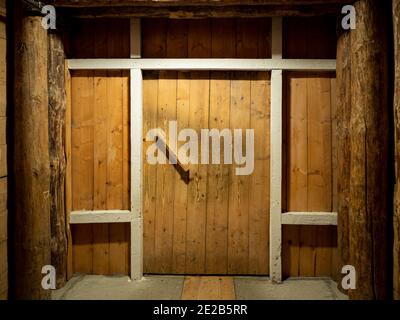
217, 223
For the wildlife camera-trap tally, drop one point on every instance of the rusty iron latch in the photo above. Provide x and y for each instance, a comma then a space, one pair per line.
173, 159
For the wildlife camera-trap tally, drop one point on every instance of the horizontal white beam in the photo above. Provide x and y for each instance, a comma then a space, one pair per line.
107, 216
204, 64
309, 218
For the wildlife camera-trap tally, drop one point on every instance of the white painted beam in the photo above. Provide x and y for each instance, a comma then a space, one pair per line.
276, 177
136, 125
204, 64
310, 218
100, 216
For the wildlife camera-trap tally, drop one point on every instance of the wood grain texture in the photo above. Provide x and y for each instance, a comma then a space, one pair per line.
206, 38
32, 248
208, 288
369, 152
105, 100
309, 251
57, 108
3, 161
396, 213
343, 142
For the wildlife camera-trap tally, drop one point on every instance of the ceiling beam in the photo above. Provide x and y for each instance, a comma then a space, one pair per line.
214, 3
199, 12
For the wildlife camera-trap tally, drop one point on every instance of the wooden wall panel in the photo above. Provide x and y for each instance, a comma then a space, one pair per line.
309, 38
3, 156
309, 177
219, 222
100, 144
210, 226
217, 38
99, 38
310, 250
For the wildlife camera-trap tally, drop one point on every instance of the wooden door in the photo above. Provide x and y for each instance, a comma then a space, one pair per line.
218, 223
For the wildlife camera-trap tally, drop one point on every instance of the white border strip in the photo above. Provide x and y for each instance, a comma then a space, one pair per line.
100, 216
310, 218
276, 177
136, 174
203, 64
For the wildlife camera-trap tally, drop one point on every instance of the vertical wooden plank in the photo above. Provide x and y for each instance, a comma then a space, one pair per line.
177, 47
126, 169
150, 98
290, 250
334, 146
333, 230
155, 32
165, 176
82, 165
297, 178
246, 38
199, 46
177, 39
319, 166
100, 232
116, 98
259, 180
265, 37
307, 235
323, 252
238, 221
199, 42
223, 41
181, 188
319, 144
297, 161
223, 45
218, 179
68, 176
197, 190
295, 35
114, 169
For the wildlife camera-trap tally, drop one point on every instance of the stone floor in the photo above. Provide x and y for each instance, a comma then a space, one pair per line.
90, 287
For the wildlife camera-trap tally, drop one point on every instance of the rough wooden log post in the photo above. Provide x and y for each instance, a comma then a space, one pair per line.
369, 138
343, 126
396, 213
31, 157
57, 108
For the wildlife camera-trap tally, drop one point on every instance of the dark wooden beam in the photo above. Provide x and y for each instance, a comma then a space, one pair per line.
31, 156
369, 143
200, 12
166, 3
57, 109
343, 96
396, 214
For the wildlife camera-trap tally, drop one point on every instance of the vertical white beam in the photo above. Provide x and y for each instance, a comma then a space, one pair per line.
276, 177
136, 124
275, 243
136, 42
136, 174
276, 43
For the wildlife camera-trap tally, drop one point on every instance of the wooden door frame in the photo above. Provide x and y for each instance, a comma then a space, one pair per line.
276, 65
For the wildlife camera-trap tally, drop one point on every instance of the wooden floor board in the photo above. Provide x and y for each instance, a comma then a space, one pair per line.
208, 288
